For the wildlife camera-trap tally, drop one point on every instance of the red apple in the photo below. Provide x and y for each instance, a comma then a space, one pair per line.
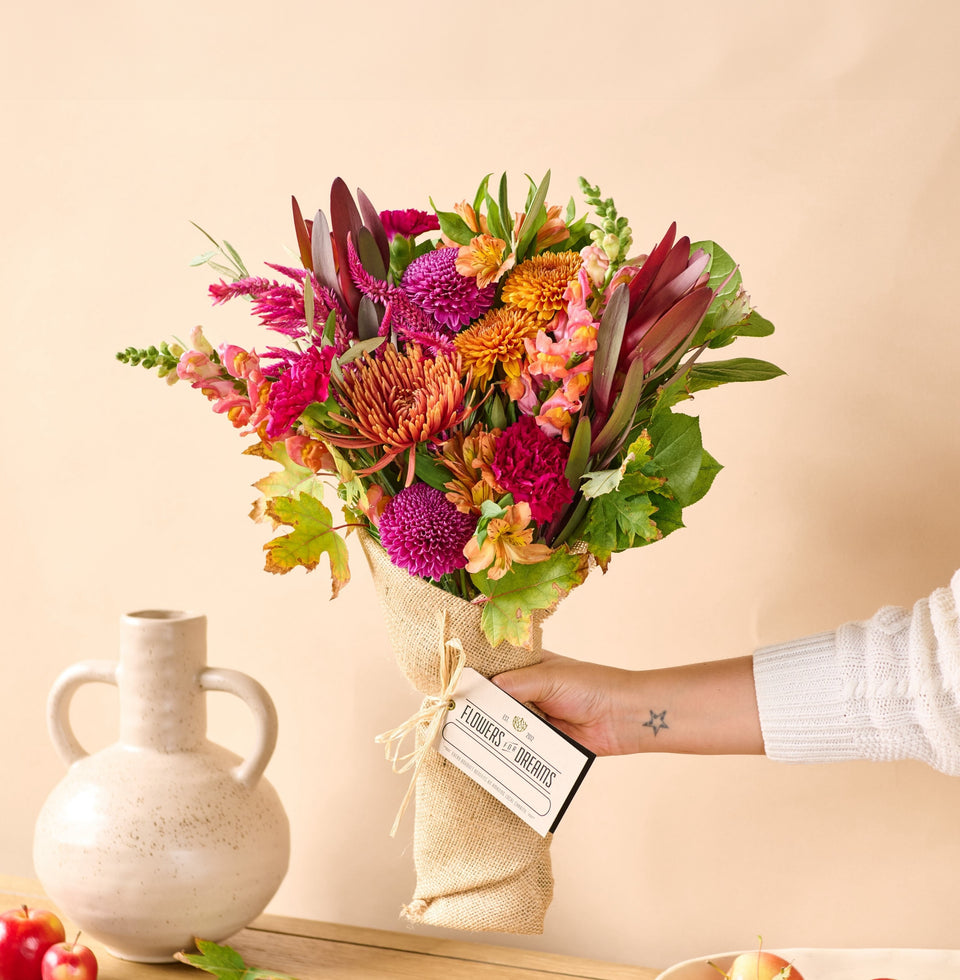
25, 935
761, 965
68, 961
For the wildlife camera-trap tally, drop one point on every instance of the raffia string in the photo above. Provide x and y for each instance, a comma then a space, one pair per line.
432, 713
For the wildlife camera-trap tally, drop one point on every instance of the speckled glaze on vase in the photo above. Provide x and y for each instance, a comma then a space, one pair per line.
163, 836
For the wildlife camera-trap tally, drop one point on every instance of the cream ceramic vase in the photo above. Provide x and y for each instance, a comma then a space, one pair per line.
163, 836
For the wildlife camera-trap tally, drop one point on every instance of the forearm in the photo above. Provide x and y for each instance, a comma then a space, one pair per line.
707, 709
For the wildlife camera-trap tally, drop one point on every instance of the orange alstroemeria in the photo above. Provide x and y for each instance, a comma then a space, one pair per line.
483, 258
509, 539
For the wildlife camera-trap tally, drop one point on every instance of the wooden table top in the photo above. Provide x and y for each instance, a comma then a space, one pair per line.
324, 951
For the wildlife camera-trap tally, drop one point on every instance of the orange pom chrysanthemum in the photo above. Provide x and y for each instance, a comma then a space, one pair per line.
538, 284
496, 338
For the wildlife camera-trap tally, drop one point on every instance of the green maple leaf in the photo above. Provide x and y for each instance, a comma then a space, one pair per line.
617, 520
226, 963
311, 537
290, 481
512, 599
623, 516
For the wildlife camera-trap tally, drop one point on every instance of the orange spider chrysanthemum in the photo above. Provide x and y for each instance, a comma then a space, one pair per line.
397, 401
469, 459
496, 338
538, 284
483, 258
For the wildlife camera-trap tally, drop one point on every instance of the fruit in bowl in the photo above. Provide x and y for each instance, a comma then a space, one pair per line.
759, 965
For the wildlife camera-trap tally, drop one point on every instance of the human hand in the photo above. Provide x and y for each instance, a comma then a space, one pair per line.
589, 702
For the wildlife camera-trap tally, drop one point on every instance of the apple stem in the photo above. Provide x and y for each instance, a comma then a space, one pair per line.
722, 973
76, 941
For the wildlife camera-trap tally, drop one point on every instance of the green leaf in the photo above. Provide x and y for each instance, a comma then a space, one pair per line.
677, 451
709, 468
491, 510
599, 482
619, 520
755, 326
481, 194
513, 599
453, 226
226, 963
506, 220
711, 374
204, 257
312, 536
579, 452
291, 481
622, 517
493, 219
359, 347
530, 227
721, 267
430, 471
668, 515
329, 329
235, 258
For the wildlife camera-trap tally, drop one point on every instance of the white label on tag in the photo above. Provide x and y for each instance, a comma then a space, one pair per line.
510, 751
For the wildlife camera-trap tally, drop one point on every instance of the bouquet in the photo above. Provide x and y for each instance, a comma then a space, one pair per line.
491, 396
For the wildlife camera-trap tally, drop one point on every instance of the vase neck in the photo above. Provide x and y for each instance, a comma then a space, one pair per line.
162, 655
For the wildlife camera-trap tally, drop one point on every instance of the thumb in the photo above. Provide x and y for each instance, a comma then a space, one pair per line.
527, 684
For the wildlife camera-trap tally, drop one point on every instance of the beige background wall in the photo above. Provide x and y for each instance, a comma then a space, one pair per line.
820, 143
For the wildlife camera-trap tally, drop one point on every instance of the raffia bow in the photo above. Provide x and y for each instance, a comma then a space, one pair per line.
432, 712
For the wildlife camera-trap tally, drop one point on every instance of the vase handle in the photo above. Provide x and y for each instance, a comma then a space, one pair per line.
259, 702
58, 704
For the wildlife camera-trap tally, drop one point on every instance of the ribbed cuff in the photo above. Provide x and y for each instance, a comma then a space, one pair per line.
803, 713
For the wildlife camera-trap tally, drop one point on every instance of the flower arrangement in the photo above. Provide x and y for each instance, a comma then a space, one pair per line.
489, 393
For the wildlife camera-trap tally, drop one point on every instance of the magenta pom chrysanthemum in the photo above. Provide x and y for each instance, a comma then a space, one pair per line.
530, 464
433, 283
424, 533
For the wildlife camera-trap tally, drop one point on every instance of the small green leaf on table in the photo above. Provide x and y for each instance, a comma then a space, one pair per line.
226, 963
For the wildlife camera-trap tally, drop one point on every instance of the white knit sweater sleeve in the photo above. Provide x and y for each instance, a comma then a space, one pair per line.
887, 688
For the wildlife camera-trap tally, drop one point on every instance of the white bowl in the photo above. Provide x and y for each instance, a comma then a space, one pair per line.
839, 964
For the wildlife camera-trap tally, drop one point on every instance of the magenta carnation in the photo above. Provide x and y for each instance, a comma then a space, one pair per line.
433, 283
424, 533
530, 464
306, 381
408, 223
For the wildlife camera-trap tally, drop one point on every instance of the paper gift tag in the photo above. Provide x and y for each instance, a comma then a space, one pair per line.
526, 763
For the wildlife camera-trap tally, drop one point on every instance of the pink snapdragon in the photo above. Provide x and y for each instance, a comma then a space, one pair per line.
235, 385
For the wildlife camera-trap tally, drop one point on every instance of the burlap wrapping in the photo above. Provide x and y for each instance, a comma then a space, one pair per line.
479, 867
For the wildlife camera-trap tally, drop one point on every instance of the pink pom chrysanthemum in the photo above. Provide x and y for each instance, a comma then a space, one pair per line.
530, 464
424, 533
433, 283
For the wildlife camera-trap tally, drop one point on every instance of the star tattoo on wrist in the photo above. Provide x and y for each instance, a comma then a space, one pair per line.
657, 721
